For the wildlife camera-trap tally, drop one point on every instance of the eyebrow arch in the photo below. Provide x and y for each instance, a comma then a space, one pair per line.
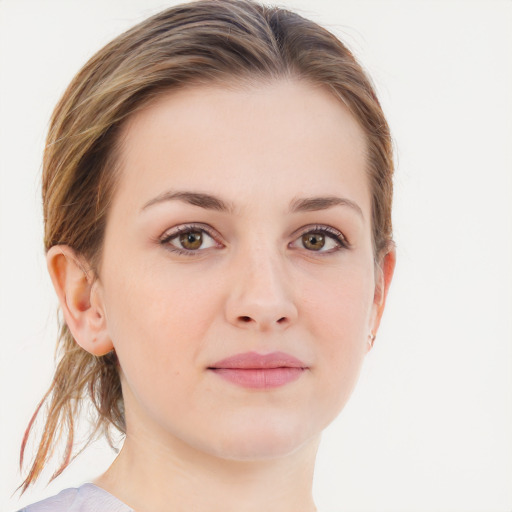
312, 204
205, 201
209, 202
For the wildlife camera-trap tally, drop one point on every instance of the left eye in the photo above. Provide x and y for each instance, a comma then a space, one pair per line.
191, 239
320, 240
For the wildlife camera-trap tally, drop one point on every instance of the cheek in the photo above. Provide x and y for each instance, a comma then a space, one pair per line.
157, 319
338, 306
159, 323
338, 315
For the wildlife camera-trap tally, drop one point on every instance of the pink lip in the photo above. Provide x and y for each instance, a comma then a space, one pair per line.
259, 371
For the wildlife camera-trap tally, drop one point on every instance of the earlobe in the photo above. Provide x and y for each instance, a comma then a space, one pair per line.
80, 299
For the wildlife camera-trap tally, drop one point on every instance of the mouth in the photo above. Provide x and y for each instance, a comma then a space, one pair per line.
259, 371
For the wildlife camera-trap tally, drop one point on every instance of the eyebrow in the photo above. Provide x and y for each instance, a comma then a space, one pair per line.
313, 204
209, 202
206, 201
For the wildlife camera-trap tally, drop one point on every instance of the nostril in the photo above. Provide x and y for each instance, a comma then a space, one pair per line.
245, 319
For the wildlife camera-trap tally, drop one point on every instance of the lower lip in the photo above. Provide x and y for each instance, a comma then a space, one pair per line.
259, 378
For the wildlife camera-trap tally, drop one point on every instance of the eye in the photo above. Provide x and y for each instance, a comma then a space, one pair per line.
321, 239
188, 240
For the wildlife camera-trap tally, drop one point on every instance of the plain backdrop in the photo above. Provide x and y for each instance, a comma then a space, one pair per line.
429, 427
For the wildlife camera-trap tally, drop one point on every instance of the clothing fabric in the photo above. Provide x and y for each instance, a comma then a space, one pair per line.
86, 498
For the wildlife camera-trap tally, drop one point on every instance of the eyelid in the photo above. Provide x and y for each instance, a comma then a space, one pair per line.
171, 233
182, 228
331, 232
175, 231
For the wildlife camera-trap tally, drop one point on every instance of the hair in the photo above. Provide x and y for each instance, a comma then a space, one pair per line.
205, 42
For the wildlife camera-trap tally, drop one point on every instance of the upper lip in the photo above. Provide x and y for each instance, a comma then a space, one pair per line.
253, 360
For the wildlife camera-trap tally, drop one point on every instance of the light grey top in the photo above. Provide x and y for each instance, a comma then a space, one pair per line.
86, 498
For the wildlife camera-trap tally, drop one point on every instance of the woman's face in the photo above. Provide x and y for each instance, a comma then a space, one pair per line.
237, 277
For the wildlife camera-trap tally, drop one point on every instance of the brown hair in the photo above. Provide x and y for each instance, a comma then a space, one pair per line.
223, 41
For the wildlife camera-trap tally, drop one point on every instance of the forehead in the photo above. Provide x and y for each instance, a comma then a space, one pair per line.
283, 138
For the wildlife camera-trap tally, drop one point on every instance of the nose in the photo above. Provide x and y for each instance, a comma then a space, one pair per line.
261, 294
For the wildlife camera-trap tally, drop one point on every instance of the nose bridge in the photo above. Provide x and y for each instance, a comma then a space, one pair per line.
265, 273
261, 292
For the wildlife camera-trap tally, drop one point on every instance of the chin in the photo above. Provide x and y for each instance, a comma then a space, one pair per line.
264, 439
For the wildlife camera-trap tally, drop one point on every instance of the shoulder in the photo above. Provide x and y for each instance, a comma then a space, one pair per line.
86, 498
58, 503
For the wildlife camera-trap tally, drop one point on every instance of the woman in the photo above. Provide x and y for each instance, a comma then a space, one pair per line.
217, 200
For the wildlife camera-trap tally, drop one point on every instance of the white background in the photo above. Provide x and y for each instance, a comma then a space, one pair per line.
429, 427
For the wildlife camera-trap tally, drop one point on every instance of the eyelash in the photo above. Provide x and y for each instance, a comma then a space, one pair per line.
186, 228
329, 232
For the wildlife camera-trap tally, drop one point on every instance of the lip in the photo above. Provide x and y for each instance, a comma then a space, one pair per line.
259, 371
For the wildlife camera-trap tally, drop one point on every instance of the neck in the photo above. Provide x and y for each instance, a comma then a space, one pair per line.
148, 476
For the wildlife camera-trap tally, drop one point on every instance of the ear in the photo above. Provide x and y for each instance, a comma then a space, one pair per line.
383, 276
80, 299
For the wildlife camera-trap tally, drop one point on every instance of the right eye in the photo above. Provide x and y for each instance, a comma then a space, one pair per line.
188, 240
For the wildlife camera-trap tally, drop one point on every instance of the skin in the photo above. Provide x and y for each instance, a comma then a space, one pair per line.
194, 440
